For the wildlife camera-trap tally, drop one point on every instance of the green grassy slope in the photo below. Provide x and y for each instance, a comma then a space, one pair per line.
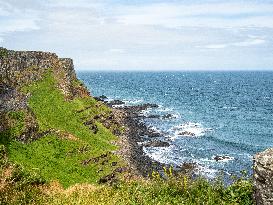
60, 156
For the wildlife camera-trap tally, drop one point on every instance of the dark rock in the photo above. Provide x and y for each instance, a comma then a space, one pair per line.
96, 117
116, 132
92, 126
167, 116
114, 164
104, 162
156, 143
94, 159
153, 116
187, 168
103, 97
186, 133
100, 170
97, 99
220, 158
152, 134
120, 169
106, 178
139, 108
115, 102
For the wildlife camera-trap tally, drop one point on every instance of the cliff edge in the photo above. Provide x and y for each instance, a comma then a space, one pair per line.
19, 69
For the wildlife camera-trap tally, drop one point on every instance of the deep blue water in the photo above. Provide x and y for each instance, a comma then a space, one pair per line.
231, 113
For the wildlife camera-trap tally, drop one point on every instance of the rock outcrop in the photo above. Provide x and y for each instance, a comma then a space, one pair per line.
263, 177
19, 68
22, 68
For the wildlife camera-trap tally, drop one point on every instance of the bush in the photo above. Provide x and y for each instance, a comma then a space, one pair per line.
3, 52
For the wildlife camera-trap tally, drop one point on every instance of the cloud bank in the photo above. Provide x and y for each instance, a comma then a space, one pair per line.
144, 35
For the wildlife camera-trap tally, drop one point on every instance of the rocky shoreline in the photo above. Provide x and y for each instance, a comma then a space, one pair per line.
137, 135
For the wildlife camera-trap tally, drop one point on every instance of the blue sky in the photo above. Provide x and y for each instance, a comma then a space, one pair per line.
144, 35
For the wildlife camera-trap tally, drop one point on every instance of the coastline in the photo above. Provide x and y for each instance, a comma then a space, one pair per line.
131, 141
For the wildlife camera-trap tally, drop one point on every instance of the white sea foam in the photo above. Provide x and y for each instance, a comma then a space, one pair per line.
146, 112
230, 107
164, 109
160, 154
206, 171
176, 115
190, 129
133, 102
155, 129
225, 158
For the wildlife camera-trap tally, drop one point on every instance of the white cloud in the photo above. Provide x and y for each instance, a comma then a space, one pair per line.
110, 35
214, 46
246, 43
13, 19
202, 15
249, 42
116, 50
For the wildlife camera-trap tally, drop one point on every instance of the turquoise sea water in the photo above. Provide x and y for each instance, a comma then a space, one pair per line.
230, 113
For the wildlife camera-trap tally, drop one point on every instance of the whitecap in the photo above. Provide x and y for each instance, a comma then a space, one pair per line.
155, 129
206, 172
146, 112
160, 154
223, 158
133, 102
164, 109
190, 129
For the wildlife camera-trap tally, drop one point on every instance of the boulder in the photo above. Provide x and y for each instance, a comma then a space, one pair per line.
263, 177
156, 143
167, 116
186, 133
220, 158
115, 102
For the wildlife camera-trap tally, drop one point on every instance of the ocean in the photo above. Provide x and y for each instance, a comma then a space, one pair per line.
229, 113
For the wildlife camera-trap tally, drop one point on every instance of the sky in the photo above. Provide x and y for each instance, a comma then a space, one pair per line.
144, 35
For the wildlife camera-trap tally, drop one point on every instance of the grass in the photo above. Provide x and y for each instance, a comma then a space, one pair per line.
157, 191
60, 157
16, 122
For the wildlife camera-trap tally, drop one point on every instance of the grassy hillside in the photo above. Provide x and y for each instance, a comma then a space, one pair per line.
60, 155
71, 151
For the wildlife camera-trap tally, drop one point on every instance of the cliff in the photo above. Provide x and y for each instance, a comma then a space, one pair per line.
263, 177
22, 68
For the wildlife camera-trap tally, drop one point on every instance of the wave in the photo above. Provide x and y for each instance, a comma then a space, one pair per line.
240, 145
160, 154
190, 129
161, 108
206, 171
217, 158
133, 101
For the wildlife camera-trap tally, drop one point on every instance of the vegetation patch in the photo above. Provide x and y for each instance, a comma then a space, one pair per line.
3, 52
59, 155
14, 124
179, 190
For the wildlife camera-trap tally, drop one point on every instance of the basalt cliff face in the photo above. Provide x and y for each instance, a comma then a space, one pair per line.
22, 68
263, 177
